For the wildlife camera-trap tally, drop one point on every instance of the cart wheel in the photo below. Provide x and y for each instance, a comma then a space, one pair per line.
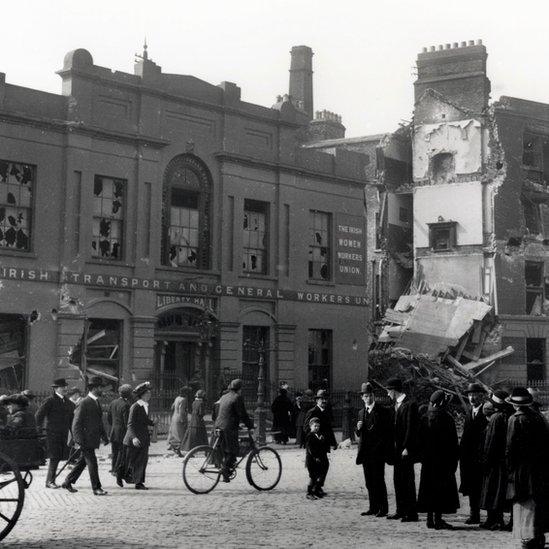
12, 494
27, 479
201, 471
263, 468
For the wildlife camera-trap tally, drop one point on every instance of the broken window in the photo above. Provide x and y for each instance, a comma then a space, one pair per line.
319, 245
535, 157
443, 167
535, 359
442, 236
108, 217
532, 219
320, 358
16, 188
13, 345
184, 228
255, 237
534, 280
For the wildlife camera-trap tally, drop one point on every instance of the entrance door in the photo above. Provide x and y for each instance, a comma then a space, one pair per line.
175, 364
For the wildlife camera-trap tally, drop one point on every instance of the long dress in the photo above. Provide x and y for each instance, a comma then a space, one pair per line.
179, 423
196, 434
282, 412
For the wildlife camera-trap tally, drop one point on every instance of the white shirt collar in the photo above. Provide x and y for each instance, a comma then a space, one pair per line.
92, 396
401, 398
144, 404
370, 407
60, 396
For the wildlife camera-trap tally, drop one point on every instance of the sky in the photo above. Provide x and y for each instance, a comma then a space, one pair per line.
364, 51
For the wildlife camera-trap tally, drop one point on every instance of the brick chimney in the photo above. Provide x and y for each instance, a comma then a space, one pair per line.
456, 71
326, 125
301, 78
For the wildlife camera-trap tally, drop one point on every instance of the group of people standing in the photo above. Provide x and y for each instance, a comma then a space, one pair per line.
503, 456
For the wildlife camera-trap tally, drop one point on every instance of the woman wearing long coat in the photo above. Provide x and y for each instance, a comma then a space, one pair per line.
438, 492
282, 416
179, 421
196, 434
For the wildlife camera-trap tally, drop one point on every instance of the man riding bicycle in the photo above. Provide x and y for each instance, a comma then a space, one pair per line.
232, 412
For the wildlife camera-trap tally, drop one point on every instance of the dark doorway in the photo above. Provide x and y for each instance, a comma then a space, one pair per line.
535, 359
176, 365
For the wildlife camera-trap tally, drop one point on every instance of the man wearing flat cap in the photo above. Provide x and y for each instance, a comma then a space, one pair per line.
374, 431
232, 412
471, 449
56, 415
117, 416
88, 432
406, 427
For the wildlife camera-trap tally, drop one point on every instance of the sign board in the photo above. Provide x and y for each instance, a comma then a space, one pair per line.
350, 250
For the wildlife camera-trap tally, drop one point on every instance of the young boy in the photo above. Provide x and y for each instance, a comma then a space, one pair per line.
316, 460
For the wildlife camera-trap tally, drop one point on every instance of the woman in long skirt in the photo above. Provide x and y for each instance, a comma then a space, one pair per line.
179, 421
196, 434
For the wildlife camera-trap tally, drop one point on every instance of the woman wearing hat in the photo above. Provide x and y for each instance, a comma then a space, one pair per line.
179, 421
439, 451
196, 434
20, 417
138, 439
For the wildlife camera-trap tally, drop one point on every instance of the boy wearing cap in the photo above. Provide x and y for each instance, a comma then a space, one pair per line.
316, 459
56, 415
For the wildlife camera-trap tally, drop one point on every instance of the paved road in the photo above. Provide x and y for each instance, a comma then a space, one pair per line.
233, 516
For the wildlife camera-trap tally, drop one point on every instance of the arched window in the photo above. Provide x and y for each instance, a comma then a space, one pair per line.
186, 213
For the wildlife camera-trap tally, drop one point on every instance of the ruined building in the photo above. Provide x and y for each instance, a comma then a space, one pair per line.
156, 226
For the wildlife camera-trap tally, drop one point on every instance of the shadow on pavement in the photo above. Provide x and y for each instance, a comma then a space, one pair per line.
79, 542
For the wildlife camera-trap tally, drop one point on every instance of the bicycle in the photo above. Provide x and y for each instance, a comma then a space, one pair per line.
202, 466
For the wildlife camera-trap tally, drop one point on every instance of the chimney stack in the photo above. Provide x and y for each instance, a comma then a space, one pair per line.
301, 79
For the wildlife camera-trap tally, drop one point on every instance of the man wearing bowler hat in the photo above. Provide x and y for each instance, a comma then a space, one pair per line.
374, 431
471, 451
55, 415
88, 431
406, 429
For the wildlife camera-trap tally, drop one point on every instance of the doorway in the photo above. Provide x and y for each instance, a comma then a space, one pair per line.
176, 364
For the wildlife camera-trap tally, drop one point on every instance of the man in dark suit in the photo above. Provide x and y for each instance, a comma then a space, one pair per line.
88, 431
320, 411
138, 438
117, 416
232, 412
471, 451
374, 431
55, 415
406, 429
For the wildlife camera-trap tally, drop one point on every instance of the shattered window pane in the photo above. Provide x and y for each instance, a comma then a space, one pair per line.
183, 232
102, 348
320, 358
319, 245
16, 188
108, 217
255, 237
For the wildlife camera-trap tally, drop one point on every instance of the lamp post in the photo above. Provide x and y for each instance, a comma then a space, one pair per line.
261, 411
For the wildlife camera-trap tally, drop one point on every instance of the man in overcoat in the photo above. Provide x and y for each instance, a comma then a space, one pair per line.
138, 438
88, 432
471, 448
375, 431
232, 412
406, 426
55, 416
117, 417
527, 455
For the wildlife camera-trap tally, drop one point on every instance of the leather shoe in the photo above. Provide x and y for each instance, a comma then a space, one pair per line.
368, 513
410, 518
99, 492
52, 485
443, 525
119, 482
380, 514
140, 487
69, 488
394, 516
473, 520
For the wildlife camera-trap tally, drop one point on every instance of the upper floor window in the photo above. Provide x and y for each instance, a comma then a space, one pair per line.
535, 157
443, 167
442, 236
108, 217
319, 245
255, 237
16, 188
186, 213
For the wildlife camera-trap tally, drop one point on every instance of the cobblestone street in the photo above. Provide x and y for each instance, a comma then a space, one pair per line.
233, 515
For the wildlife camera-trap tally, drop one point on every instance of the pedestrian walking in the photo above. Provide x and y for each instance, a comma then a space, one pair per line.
316, 459
179, 421
88, 432
375, 437
282, 416
406, 426
232, 412
138, 439
471, 450
439, 451
20, 417
493, 498
55, 415
117, 416
196, 434
306, 403
320, 412
527, 453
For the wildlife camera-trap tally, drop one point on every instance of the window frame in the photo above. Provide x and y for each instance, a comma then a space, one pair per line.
329, 247
262, 207
443, 225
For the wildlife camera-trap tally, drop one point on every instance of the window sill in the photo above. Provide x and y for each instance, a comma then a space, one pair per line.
258, 276
186, 270
321, 282
17, 253
98, 261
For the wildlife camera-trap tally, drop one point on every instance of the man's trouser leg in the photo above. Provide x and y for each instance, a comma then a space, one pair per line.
52, 469
91, 462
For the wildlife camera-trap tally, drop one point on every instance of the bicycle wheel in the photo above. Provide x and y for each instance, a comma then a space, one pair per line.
200, 472
263, 468
12, 495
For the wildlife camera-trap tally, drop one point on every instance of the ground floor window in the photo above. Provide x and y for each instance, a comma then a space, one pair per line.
320, 359
13, 346
535, 359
